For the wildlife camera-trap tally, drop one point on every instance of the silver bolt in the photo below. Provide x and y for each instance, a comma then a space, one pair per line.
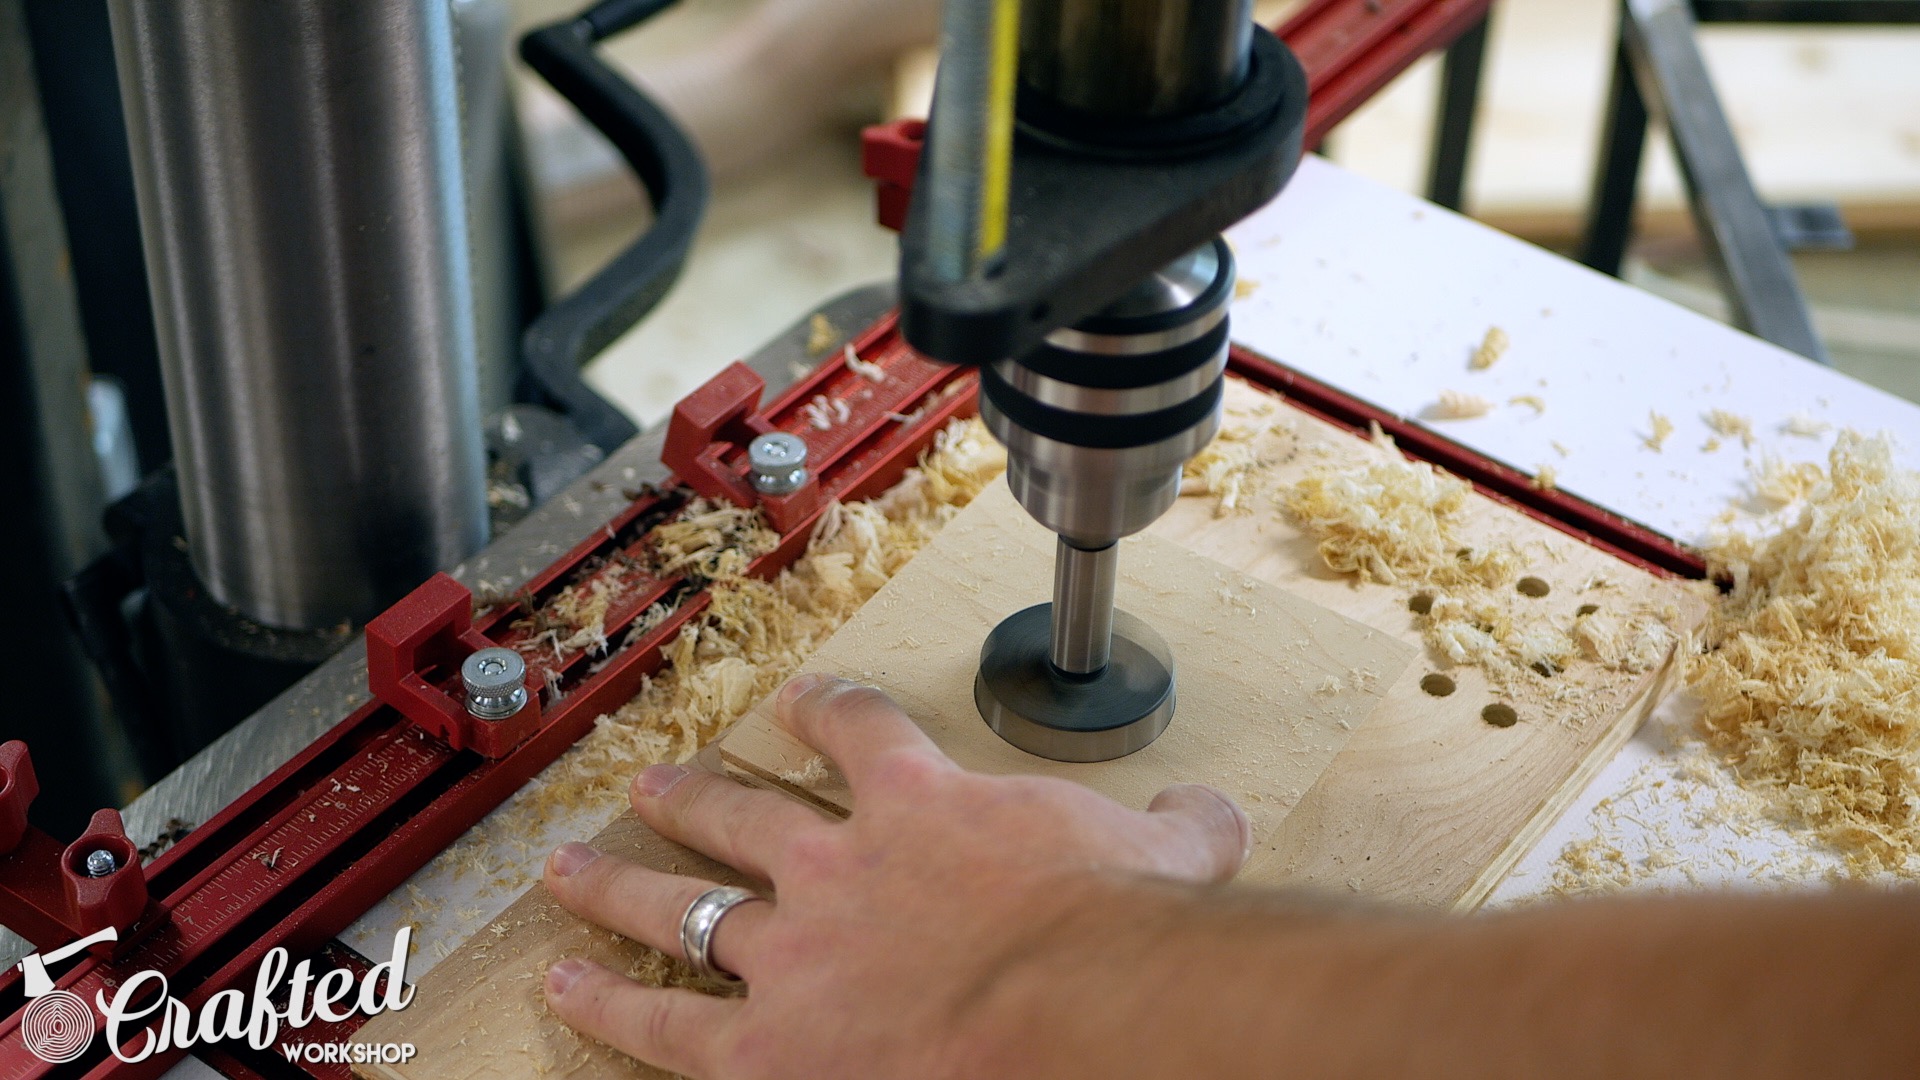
777, 463
100, 863
496, 682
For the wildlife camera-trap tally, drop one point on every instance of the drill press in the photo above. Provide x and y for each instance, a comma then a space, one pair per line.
1082, 158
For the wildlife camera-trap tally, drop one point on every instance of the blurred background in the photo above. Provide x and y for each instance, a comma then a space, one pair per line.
1824, 115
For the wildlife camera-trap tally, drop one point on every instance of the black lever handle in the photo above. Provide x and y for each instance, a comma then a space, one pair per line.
575, 329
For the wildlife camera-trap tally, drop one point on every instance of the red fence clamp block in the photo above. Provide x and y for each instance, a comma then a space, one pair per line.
717, 422
426, 635
116, 898
18, 788
890, 155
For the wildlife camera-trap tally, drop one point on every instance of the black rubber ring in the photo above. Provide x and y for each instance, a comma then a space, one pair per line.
1126, 372
1098, 431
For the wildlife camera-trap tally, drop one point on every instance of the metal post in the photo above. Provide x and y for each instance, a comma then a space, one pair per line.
1082, 636
1756, 274
1135, 58
1616, 175
298, 169
970, 136
1453, 127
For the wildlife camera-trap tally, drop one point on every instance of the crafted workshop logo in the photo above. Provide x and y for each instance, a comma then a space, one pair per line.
59, 1025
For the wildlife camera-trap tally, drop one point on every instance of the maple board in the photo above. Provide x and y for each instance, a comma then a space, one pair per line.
481, 1013
1425, 804
1269, 685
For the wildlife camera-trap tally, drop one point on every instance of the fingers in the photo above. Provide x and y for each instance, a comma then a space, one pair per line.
1211, 834
725, 820
680, 1031
857, 726
647, 905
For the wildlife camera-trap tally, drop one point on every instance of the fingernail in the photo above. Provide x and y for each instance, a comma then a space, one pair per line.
570, 858
798, 685
562, 976
657, 780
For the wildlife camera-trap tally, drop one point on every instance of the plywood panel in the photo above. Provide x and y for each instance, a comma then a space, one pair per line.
1270, 685
1425, 803
481, 1013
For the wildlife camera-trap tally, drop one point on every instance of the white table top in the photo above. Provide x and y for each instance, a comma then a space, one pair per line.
1385, 296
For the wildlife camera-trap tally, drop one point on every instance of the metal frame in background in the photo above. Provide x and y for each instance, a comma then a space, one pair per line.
1659, 73
1460, 72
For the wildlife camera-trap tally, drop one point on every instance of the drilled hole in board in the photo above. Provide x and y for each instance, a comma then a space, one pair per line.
1533, 586
1500, 714
1585, 609
1437, 684
1421, 603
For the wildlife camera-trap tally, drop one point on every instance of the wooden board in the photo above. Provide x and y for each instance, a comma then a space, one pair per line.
481, 1013
1426, 803
1270, 685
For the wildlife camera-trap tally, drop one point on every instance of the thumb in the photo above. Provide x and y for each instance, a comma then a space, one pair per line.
1209, 835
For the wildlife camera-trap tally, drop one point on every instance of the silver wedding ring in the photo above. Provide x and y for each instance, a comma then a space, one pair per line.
697, 926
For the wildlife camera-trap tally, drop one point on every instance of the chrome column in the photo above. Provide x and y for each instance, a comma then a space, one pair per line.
298, 168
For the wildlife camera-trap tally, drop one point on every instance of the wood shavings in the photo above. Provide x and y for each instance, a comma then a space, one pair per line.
1730, 425
1712, 444
1388, 521
753, 635
823, 412
1662, 427
1780, 484
808, 774
866, 369
1492, 347
1811, 665
1245, 287
1397, 521
1545, 478
712, 540
1456, 405
1228, 467
1532, 401
1804, 426
821, 334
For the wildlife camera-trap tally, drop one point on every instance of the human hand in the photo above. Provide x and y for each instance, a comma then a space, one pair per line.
941, 930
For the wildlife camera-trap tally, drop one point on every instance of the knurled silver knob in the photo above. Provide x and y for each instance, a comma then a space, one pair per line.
496, 682
100, 863
777, 463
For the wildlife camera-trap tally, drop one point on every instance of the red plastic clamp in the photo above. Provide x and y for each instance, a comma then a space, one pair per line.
101, 895
890, 154
18, 788
425, 637
718, 421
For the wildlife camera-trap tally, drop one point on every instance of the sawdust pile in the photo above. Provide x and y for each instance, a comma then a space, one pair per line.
1400, 522
752, 637
1230, 467
1809, 676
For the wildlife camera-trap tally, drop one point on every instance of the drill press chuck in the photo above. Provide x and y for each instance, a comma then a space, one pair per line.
1098, 423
